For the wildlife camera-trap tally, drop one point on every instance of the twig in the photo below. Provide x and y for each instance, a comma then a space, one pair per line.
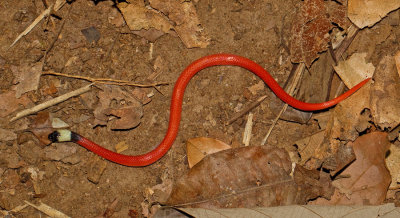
105, 80
44, 55
48, 210
338, 53
51, 102
246, 110
247, 130
56, 6
291, 90
44, 14
351, 34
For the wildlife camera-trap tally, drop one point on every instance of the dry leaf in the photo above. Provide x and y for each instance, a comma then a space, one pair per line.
41, 127
127, 109
128, 117
385, 100
180, 16
365, 181
138, 17
57, 123
247, 177
392, 161
9, 103
307, 146
310, 30
198, 148
27, 78
348, 119
186, 23
309, 211
151, 34
368, 12
354, 70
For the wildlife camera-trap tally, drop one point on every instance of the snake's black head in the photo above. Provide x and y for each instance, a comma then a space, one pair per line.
53, 137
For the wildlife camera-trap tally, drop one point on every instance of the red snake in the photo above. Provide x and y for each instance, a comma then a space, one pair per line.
176, 108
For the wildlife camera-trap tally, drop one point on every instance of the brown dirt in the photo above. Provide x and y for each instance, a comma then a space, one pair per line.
257, 29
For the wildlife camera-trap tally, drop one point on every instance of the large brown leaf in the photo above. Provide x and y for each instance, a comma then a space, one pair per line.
250, 176
367, 179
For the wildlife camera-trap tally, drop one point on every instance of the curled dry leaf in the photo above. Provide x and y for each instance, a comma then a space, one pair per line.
129, 117
186, 23
354, 70
310, 30
365, 181
368, 12
180, 16
27, 78
138, 17
198, 148
247, 177
127, 110
9, 103
385, 100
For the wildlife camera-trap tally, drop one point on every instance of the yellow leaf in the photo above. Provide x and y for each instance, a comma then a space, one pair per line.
198, 148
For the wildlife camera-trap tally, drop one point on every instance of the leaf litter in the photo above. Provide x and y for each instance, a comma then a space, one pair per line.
117, 109
338, 136
198, 148
165, 17
253, 176
366, 180
310, 30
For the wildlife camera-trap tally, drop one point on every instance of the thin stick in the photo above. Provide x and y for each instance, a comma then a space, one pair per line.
291, 90
44, 55
51, 102
46, 209
247, 130
246, 110
105, 80
44, 14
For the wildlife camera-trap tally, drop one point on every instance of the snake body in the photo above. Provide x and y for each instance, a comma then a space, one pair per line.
176, 109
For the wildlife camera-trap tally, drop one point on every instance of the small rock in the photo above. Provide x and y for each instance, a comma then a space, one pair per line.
7, 135
91, 34
97, 168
